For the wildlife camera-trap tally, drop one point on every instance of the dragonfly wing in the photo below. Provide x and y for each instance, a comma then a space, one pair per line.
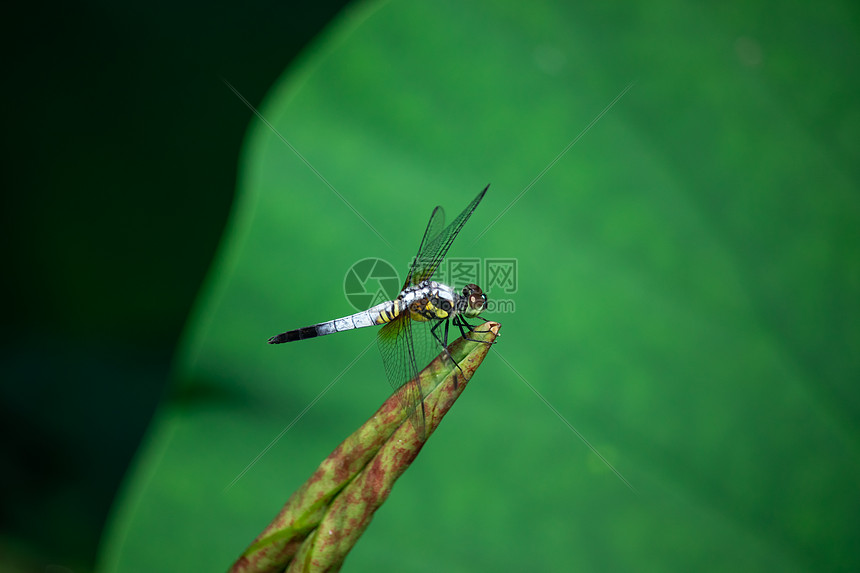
431, 252
408, 346
396, 341
434, 227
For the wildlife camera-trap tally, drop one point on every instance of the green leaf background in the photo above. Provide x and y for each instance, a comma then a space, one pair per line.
688, 293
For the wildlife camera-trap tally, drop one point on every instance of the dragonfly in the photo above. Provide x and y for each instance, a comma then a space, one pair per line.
410, 336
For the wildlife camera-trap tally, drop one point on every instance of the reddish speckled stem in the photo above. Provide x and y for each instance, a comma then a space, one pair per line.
324, 518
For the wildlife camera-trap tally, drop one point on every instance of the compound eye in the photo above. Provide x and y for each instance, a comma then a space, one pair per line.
472, 289
478, 302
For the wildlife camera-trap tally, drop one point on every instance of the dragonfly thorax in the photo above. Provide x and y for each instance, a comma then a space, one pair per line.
430, 300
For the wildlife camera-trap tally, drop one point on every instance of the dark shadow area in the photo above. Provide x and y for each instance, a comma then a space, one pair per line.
120, 146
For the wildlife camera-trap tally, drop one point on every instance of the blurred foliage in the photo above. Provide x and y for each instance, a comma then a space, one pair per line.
119, 145
688, 293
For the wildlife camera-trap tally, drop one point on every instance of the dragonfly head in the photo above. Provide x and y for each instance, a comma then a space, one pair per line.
476, 300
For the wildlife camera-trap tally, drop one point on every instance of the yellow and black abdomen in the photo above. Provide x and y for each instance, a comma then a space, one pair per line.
388, 311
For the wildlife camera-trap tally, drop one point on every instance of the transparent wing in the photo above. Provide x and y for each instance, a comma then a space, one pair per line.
407, 346
397, 346
434, 249
434, 227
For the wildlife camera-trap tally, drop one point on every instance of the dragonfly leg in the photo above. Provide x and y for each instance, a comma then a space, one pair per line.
436, 336
444, 342
462, 322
